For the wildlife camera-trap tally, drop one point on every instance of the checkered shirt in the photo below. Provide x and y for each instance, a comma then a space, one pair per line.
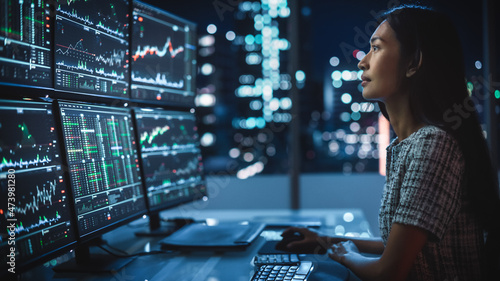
424, 188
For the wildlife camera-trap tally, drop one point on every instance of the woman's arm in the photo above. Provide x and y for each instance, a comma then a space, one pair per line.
365, 245
314, 243
403, 245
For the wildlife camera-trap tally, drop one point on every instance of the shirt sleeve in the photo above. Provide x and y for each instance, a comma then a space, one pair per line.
431, 189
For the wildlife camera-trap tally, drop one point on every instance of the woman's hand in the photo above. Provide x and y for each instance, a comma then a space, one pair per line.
311, 244
338, 252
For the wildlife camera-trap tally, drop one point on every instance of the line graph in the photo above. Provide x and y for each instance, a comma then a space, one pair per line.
150, 136
29, 145
24, 163
110, 30
171, 170
20, 228
91, 50
167, 131
43, 196
78, 47
40, 199
81, 66
114, 58
162, 62
74, 15
113, 74
109, 17
159, 80
27, 141
191, 167
111, 58
156, 51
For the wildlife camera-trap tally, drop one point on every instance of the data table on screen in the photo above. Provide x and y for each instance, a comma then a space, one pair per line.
26, 43
103, 165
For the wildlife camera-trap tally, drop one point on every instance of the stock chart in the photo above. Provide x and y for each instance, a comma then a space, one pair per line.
25, 42
103, 165
31, 173
171, 157
168, 133
91, 47
162, 56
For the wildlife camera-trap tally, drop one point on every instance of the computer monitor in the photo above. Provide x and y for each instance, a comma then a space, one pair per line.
171, 160
103, 166
104, 173
26, 43
163, 57
35, 220
92, 47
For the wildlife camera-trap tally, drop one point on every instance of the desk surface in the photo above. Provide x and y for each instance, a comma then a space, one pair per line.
199, 266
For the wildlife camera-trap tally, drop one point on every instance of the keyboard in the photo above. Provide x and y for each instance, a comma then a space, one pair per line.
282, 259
281, 267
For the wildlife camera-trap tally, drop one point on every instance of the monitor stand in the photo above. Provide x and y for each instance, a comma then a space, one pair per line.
157, 229
85, 261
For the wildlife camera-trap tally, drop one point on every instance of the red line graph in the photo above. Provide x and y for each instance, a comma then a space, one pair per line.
74, 48
160, 52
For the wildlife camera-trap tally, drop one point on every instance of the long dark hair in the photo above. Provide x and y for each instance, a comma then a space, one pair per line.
437, 91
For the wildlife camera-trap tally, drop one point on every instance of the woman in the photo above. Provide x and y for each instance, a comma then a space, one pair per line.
441, 198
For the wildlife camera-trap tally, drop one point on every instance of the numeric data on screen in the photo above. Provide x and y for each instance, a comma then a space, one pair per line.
25, 42
103, 165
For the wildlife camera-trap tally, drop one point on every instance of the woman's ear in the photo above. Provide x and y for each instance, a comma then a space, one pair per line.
412, 68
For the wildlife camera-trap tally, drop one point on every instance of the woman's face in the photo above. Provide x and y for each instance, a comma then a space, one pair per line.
382, 71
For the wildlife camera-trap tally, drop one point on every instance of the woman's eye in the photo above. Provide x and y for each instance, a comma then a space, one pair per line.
374, 48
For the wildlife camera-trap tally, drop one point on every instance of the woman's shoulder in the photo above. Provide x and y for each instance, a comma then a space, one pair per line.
429, 138
432, 133
428, 135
